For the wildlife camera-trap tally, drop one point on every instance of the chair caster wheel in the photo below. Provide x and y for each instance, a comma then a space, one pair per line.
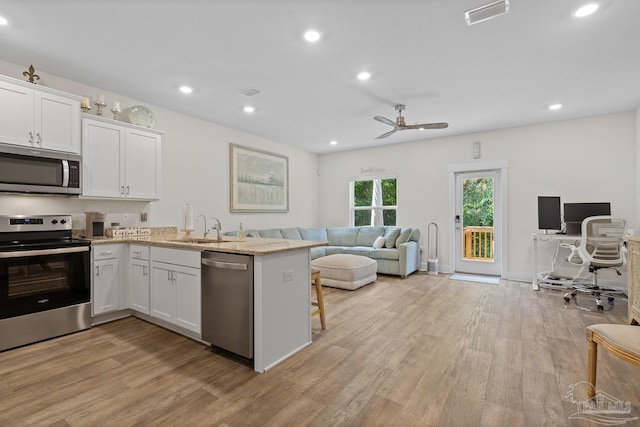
567, 299
610, 299
600, 308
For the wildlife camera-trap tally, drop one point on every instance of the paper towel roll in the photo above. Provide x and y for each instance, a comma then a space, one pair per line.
188, 217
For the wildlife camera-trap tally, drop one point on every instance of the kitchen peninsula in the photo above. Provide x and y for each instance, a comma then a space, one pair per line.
163, 263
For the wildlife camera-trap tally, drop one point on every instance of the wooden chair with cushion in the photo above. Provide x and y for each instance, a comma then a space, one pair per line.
622, 341
319, 302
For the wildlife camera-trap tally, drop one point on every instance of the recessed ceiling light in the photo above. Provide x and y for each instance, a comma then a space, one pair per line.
364, 75
586, 10
334, 142
3, 20
555, 106
185, 89
312, 35
249, 109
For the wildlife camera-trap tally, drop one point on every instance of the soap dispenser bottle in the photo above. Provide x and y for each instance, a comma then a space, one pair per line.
242, 235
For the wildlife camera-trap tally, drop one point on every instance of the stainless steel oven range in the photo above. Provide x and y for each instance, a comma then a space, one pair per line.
44, 279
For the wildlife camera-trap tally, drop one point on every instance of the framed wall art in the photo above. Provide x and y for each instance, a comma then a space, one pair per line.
259, 180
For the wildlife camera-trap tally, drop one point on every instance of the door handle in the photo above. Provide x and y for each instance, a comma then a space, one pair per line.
30, 137
39, 138
457, 222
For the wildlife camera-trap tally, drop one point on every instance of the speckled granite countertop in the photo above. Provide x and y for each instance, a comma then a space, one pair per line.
251, 246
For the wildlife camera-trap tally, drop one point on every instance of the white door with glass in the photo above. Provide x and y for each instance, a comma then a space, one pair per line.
477, 223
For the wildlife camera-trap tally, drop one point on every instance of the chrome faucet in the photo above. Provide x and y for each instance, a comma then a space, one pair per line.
218, 227
206, 231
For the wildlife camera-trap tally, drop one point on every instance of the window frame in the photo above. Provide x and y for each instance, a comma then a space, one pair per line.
353, 209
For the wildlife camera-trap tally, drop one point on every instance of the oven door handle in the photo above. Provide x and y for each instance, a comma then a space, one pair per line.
41, 252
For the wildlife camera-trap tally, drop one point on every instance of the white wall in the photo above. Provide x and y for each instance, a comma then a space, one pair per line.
585, 160
195, 169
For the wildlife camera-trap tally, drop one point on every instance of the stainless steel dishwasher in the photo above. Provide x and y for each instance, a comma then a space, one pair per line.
227, 302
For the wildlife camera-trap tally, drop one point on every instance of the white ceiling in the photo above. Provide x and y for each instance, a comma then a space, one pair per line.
500, 73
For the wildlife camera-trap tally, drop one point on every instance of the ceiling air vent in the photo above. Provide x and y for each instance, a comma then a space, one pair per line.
250, 92
487, 11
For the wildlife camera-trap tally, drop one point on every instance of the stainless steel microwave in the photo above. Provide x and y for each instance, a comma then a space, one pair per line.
25, 170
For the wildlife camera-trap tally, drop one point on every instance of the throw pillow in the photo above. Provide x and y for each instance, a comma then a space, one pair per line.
379, 242
390, 237
404, 236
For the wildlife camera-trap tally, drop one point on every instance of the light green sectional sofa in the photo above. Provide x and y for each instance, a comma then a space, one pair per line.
399, 255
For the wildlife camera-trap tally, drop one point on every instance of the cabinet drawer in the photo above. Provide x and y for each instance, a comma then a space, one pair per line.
176, 256
139, 252
105, 251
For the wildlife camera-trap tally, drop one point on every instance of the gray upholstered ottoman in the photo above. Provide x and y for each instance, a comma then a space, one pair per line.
346, 271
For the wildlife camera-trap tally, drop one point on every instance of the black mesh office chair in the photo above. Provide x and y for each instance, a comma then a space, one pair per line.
601, 246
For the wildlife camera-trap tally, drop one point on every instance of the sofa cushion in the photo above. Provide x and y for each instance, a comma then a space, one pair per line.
318, 234
358, 250
291, 233
390, 236
378, 243
332, 250
271, 233
342, 236
318, 252
404, 236
368, 235
393, 254
415, 235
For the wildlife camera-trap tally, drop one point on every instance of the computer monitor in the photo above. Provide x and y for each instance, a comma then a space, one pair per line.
549, 217
575, 213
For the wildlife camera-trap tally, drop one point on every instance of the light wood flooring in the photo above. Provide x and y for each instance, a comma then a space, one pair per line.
416, 352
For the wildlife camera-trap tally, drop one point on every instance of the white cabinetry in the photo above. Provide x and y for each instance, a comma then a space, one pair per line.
38, 117
120, 161
105, 283
139, 283
175, 287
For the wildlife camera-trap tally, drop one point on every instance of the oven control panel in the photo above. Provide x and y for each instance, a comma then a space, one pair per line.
35, 223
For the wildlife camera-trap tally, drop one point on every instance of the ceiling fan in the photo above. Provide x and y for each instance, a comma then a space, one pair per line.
399, 124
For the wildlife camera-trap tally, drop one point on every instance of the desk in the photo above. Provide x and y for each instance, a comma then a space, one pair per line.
546, 238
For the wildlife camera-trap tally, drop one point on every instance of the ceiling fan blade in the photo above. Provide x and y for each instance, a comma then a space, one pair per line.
428, 126
384, 135
385, 120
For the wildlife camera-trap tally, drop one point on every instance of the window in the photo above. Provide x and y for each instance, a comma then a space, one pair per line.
373, 202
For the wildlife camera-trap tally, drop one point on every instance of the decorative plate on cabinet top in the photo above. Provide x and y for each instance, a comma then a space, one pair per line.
141, 116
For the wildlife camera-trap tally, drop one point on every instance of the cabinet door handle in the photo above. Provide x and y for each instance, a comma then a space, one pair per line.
39, 138
122, 189
169, 275
144, 270
106, 253
137, 253
30, 137
127, 190
97, 270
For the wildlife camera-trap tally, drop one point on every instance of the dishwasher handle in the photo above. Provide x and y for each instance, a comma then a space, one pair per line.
224, 265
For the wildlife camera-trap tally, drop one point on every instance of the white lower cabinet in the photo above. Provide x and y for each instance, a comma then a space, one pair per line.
105, 283
139, 278
175, 287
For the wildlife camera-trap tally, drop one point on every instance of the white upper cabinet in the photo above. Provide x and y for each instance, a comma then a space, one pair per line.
38, 117
120, 160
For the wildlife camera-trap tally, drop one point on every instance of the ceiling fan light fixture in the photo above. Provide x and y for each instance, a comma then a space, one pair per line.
487, 11
249, 109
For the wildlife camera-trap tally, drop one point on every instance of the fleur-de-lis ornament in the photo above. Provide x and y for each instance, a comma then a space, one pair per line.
31, 74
